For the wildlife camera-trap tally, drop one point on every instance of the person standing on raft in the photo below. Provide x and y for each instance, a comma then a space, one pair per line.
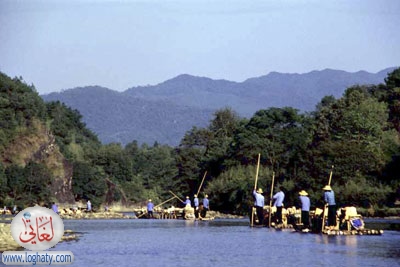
259, 204
279, 197
329, 198
150, 208
305, 209
196, 206
206, 206
187, 202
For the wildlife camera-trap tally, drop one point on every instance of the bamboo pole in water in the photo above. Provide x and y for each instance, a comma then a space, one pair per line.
330, 176
168, 200
198, 191
255, 188
326, 205
270, 199
176, 196
159, 205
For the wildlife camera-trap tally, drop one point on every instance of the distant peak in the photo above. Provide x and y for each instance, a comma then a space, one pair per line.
88, 88
185, 76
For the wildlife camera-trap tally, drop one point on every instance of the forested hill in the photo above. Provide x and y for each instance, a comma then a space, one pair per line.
164, 112
117, 118
300, 91
38, 142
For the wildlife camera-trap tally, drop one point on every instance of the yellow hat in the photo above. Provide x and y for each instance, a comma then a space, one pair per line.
303, 193
327, 188
259, 191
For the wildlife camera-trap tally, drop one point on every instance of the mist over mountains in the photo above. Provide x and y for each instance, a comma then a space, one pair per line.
164, 112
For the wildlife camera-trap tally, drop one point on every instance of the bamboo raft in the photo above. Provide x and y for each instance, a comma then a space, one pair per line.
349, 222
186, 213
353, 232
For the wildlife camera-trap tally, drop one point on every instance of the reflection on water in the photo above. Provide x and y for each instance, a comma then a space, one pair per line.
345, 240
220, 243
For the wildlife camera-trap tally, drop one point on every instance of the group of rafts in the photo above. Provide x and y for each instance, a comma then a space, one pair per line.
186, 213
348, 221
172, 212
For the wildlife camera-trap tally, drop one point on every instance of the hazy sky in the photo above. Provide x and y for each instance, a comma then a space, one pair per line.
119, 44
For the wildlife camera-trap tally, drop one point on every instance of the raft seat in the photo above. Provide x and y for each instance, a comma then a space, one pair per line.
354, 220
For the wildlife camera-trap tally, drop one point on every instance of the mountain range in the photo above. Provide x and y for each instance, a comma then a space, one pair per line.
164, 112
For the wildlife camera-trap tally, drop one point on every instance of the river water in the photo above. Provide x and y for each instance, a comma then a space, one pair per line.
220, 243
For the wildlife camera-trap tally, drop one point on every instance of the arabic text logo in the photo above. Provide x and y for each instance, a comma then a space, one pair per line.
37, 228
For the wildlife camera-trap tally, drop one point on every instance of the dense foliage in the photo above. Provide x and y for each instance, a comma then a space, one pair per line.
358, 134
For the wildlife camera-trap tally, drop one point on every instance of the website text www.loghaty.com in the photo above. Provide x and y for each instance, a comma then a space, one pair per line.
37, 257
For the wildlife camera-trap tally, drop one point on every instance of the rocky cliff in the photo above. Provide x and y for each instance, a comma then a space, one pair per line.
37, 144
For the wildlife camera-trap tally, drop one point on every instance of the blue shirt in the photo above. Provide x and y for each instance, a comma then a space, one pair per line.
150, 206
279, 197
187, 202
329, 197
54, 208
205, 203
196, 202
259, 199
305, 203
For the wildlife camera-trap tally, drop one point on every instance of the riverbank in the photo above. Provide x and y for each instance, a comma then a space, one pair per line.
129, 214
95, 215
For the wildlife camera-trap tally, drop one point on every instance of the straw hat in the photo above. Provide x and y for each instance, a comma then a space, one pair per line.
303, 193
327, 188
187, 197
195, 195
259, 191
150, 200
206, 195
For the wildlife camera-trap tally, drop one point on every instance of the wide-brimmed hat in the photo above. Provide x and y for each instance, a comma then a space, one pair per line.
327, 188
150, 200
303, 193
259, 191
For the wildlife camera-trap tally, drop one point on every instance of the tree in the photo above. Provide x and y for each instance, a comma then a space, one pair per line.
393, 98
352, 134
88, 183
15, 180
4, 189
220, 135
76, 142
37, 186
114, 162
277, 133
